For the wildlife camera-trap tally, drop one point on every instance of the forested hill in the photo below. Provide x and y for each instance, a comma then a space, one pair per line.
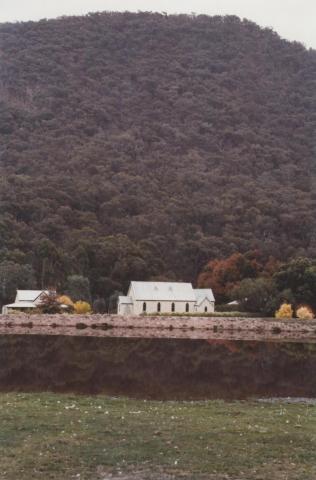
137, 146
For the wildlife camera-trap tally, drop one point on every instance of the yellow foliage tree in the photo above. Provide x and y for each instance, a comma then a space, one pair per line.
82, 307
304, 313
65, 300
285, 311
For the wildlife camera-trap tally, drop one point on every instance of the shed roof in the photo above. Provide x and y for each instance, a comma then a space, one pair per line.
28, 295
164, 291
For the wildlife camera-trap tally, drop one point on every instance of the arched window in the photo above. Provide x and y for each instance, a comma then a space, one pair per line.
173, 307
158, 307
205, 309
144, 307
187, 307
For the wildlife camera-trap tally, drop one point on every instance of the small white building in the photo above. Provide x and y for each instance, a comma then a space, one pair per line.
25, 300
165, 297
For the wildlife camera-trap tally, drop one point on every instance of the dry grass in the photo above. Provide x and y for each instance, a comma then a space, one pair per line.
78, 437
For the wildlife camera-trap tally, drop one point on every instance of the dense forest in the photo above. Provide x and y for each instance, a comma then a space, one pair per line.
143, 146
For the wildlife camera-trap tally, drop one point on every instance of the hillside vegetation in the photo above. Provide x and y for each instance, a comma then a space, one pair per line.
137, 146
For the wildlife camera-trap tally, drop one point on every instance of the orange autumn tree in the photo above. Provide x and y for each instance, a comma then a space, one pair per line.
223, 275
65, 300
82, 307
305, 313
285, 311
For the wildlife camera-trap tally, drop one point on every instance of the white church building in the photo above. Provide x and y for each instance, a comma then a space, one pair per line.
165, 297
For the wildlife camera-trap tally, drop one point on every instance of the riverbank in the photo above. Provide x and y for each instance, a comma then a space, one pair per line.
65, 437
161, 326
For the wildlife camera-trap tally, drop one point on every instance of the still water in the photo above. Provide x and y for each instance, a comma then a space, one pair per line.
157, 368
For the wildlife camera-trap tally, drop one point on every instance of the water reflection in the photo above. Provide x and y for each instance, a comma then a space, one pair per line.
159, 368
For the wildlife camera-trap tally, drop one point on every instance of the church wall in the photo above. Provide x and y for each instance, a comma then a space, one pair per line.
206, 304
165, 307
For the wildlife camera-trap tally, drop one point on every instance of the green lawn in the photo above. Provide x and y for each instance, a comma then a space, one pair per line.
50, 436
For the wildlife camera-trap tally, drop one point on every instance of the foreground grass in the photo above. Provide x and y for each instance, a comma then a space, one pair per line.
62, 437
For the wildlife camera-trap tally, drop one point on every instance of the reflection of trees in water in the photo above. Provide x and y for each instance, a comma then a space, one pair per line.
156, 368
298, 349
232, 346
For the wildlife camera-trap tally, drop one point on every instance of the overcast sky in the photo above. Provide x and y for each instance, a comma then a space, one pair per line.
292, 19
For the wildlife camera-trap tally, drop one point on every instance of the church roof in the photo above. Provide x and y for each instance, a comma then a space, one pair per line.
162, 291
202, 293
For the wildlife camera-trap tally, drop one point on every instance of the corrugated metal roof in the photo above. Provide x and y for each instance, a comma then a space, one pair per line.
202, 293
164, 291
125, 300
28, 295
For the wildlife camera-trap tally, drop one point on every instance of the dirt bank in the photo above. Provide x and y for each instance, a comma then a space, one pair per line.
294, 328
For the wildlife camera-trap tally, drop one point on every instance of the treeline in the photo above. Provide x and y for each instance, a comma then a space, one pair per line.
255, 285
142, 146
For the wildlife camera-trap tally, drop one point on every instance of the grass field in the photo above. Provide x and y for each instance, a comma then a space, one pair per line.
61, 437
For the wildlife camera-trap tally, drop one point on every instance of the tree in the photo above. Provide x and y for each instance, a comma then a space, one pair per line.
65, 300
297, 279
223, 275
78, 288
99, 306
305, 313
13, 277
285, 311
113, 299
256, 295
49, 263
82, 308
50, 304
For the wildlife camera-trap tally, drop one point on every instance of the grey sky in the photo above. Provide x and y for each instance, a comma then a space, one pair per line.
292, 19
